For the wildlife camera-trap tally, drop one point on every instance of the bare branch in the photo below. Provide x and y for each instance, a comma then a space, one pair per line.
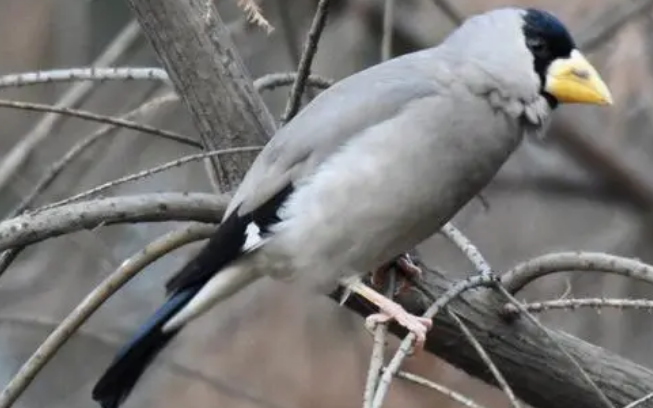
486, 359
573, 304
558, 345
15, 159
304, 69
406, 344
147, 173
455, 396
94, 117
127, 270
638, 402
83, 74
80, 147
271, 81
34, 227
523, 274
467, 248
378, 348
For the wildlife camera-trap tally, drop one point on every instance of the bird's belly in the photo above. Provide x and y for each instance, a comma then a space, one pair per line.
369, 204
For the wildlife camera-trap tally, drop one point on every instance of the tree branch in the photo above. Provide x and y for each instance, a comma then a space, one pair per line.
37, 226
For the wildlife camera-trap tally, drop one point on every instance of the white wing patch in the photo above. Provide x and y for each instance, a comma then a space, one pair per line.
252, 237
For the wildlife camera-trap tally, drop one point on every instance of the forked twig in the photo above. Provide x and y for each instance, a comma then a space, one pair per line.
393, 367
93, 301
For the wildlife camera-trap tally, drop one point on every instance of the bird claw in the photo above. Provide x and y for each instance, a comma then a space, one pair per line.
405, 264
417, 325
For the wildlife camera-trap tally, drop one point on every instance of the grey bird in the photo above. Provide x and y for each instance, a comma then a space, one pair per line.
372, 167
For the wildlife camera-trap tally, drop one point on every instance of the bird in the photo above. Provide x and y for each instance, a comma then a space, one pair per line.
370, 168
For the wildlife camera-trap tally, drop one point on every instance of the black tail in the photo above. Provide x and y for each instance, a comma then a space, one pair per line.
132, 360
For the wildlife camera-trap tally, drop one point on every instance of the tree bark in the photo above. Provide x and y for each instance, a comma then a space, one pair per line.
194, 47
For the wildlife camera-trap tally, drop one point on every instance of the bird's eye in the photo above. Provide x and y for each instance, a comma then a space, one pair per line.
538, 46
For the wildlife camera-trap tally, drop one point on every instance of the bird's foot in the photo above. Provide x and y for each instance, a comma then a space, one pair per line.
389, 310
403, 263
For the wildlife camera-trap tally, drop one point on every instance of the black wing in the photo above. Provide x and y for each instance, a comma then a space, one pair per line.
227, 242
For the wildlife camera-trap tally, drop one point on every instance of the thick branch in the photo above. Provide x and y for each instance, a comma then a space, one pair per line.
37, 226
538, 374
194, 46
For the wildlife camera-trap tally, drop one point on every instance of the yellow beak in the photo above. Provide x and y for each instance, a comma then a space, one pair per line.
574, 80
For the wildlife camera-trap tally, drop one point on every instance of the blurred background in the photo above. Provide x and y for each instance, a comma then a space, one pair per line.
587, 186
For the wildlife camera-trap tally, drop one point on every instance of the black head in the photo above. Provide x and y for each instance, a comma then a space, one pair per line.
548, 39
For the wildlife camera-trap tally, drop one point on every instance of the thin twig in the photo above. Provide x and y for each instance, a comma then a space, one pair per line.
467, 248
147, 173
523, 312
83, 145
154, 207
525, 273
469, 336
645, 398
83, 74
14, 160
53, 172
572, 304
304, 69
455, 396
127, 270
271, 81
386, 39
378, 349
393, 367
94, 117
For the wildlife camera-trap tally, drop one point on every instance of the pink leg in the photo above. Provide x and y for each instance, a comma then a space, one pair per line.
389, 310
